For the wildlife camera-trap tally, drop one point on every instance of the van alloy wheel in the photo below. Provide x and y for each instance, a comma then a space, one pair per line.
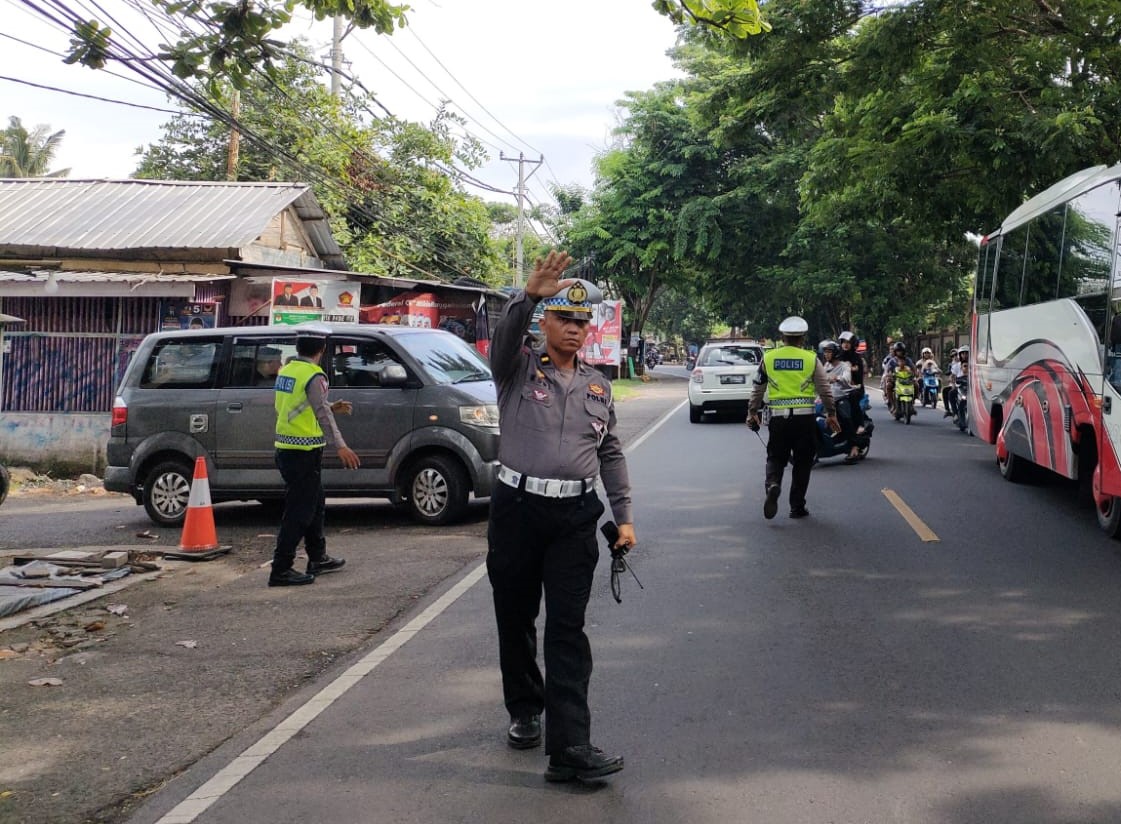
167, 490
436, 490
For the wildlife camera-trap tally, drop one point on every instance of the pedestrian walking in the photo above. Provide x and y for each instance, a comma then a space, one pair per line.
558, 420
790, 376
305, 421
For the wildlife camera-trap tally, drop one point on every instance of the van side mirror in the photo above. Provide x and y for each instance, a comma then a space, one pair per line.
393, 374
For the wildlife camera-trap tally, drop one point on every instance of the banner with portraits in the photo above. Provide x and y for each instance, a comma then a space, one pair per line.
298, 301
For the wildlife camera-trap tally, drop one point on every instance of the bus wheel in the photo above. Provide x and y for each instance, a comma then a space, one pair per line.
1109, 516
1013, 468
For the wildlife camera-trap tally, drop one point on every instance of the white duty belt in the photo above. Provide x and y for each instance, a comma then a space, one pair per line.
545, 487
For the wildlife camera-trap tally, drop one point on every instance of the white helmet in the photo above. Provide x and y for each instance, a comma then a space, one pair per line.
926, 350
846, 335
794, 325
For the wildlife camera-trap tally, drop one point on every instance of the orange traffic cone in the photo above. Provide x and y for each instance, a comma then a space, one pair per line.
200, 539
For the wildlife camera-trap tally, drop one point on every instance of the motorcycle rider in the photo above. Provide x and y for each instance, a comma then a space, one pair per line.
959, 371
839, 375
849, 354
898, 359
926, 367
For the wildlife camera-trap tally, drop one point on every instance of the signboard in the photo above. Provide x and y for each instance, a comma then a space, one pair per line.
458, 314
605, 332
185, 314
298, 301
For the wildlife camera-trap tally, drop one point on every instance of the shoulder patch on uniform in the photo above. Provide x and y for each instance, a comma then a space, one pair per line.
596, 389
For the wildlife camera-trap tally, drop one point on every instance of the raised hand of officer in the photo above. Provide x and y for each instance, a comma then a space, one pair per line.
544, 281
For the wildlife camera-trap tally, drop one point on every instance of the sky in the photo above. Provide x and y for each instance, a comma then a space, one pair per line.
533, 77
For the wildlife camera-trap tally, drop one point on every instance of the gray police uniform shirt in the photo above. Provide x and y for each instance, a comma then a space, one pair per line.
550, 430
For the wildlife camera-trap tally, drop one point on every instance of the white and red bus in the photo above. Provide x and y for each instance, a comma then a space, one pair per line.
1045, 372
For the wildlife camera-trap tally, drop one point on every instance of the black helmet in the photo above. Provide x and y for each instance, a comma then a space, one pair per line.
900, 347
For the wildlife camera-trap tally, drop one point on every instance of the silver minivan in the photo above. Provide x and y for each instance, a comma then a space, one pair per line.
424, 419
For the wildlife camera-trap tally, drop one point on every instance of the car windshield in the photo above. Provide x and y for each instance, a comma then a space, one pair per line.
446, 358
734, 355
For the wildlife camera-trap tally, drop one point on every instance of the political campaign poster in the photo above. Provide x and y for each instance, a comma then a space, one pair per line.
299, 301
427, 310
605, 332
186, 314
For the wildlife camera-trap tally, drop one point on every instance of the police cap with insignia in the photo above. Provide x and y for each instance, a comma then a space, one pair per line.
574, 301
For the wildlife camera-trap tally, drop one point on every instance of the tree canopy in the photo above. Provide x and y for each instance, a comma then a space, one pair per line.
388, 185
849, 153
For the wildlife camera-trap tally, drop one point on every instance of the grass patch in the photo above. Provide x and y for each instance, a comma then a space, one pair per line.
625, 388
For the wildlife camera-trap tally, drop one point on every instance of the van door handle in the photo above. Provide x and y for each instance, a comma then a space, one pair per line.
1107, 404
233, 407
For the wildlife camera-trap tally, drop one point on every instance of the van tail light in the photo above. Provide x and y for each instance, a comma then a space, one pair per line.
120, 412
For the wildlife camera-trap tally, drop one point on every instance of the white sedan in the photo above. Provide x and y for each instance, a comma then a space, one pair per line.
721, 380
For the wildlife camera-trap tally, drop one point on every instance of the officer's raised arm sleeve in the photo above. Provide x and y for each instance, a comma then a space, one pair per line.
317, 397
509, 336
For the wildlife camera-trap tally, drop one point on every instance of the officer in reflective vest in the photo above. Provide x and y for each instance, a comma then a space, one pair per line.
790, 377
303, 416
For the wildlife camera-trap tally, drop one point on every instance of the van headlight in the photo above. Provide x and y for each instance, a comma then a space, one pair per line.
483, 415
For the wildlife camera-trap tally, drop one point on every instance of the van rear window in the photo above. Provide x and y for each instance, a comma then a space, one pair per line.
189, 363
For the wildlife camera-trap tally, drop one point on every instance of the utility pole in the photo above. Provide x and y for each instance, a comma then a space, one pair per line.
337, 56
519, 266
235, 137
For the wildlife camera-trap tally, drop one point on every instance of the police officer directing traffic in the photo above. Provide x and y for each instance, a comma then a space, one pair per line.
303, 416
557, 419
790, 376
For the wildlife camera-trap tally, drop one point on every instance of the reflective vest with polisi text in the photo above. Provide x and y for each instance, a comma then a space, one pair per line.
790, 377
296, 425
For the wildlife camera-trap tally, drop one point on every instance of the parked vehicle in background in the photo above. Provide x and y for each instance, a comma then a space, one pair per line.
721, 379
1044, 376
424, 420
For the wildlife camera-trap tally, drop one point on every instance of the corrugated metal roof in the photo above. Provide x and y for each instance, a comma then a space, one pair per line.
49, 216
69, 276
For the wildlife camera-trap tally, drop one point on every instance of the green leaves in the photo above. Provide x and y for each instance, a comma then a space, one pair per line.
738, 18
90, 45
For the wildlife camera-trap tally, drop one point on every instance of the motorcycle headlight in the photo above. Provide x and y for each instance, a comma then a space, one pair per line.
483, 415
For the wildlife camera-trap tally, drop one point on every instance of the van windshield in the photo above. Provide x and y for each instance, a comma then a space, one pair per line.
446, 358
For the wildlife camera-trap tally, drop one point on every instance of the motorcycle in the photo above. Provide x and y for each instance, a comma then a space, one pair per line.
904, 396
930, 389
831, 444
653, 358
960, 418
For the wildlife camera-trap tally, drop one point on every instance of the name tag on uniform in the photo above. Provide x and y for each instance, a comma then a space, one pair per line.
285, 383
794, 364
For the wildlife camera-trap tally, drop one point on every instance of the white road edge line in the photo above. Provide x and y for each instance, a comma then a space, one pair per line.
191, 807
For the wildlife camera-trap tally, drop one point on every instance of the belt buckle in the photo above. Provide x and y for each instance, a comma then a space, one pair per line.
553, 488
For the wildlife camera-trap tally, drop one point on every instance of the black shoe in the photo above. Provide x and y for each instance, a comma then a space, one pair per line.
947, 414
328, 564
799, 512
524, 732
584, 763
770, 506
290, 578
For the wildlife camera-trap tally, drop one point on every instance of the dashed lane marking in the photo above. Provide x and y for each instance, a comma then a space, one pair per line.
925, 533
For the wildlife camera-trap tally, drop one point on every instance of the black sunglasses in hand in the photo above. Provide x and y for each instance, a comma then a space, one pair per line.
618, 562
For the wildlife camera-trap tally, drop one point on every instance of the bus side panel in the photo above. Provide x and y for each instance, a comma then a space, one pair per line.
1044, 383
1109, 429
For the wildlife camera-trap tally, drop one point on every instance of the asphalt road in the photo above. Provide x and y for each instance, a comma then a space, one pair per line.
837, 668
